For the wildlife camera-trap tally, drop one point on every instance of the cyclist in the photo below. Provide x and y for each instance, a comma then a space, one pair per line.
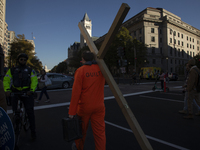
22, 79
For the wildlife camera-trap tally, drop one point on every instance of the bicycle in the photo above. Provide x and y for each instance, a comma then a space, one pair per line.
20, 117
135, 81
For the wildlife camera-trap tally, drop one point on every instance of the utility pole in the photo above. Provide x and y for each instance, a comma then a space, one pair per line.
135, 59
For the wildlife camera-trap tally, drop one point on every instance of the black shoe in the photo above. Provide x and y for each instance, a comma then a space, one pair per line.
33, 135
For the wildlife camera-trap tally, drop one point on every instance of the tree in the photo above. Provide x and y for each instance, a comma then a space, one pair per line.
121, 40
125, 40
20, 45
77, 57
35, 63
197, 60
62, 67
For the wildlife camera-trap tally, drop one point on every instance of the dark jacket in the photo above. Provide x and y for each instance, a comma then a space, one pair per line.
3, 103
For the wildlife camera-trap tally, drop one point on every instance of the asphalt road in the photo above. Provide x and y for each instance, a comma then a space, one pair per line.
156, 112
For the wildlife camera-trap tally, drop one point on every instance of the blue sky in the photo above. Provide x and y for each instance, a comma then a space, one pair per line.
54, 23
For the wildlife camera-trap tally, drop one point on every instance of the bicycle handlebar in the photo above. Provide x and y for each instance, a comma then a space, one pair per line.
24, 94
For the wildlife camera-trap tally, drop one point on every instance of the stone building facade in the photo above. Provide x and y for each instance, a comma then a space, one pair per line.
171, 42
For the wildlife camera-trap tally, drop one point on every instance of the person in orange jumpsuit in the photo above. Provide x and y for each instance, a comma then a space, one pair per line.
87, 101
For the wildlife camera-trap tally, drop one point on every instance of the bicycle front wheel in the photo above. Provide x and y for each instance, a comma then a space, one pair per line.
26, 123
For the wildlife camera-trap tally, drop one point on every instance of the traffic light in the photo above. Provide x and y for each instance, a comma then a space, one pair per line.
120, 51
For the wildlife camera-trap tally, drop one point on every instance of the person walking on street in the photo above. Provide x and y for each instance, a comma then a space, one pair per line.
191, 87
185, 108
162, 79
167, 76
87, 101
43, 79
22, 79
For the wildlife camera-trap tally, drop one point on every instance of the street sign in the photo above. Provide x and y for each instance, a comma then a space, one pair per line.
7, 136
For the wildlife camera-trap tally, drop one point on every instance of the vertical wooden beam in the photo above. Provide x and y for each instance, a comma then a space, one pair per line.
134, 125
113, 30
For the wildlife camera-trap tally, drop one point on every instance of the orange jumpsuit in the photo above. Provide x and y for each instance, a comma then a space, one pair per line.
87, 101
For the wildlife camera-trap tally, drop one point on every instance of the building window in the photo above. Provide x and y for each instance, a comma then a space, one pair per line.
193, 40
171, 51
178, 34
160, 31
190, 39
170, 40
187, 54
178, 42
198, 48
178, 52
160, 40
134, 33
152, 39
182, 53
171, 61
182, 36
161, 50
182, 43
187, 38
171, 32
197, 42
154, 61
174, 33
152, 30
190, 46
153, 50
171, 69
193, 46
140, 39
140, 31
174, 41
175, 61
190, 53
193, 54
175, 52
187, 45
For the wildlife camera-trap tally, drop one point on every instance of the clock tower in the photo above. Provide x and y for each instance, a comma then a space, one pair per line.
88, 25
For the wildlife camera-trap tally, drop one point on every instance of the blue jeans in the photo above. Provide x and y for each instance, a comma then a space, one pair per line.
44, 90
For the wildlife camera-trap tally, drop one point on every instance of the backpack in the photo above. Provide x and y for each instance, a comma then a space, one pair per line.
198, 82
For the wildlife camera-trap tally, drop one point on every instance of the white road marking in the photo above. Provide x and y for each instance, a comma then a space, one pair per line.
149, 137
112, 97
161, 98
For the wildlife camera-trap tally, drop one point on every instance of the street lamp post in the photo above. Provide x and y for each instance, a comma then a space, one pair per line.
167, 63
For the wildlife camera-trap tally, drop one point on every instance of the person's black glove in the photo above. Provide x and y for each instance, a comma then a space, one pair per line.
30, 93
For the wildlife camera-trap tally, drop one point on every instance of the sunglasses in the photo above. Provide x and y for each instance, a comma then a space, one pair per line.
23, 59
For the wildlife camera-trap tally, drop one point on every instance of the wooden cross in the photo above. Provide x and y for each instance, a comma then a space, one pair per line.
134, 125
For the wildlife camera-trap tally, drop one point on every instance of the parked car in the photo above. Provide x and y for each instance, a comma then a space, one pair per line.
173, 76
60, 81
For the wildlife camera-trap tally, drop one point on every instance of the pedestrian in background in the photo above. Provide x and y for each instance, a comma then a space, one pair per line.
162, 79
87, 101
43, 79
191, 87
167, 76
185, 108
